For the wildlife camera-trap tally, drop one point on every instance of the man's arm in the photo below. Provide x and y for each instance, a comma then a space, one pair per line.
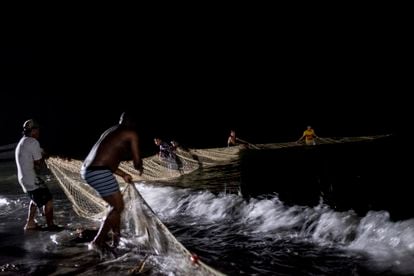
127, 177
39, 163
229, 142
136, 155
41, 167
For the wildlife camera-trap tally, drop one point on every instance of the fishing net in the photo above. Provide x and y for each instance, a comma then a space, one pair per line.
138, 219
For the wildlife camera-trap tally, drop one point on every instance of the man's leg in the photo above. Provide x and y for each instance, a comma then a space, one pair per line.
113, 220
48, 209
31, 224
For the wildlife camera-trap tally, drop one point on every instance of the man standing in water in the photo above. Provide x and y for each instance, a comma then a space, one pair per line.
30, 164
309, 136
98, 168
232, 140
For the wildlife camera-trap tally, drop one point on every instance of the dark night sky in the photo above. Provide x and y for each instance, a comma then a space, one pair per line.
194, 87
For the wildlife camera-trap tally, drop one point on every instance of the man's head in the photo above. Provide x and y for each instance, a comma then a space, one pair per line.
29, 127
157, 141
126, 119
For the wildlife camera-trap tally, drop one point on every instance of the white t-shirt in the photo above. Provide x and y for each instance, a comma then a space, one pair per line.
27, 151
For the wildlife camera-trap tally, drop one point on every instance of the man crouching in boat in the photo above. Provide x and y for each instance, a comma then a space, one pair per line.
234, 141
98, 169
167, 152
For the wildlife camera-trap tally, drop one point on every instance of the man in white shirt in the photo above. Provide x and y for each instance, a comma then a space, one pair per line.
29, 161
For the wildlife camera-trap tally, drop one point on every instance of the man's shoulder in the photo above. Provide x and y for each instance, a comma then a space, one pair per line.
30, 141
127, 134
121, 129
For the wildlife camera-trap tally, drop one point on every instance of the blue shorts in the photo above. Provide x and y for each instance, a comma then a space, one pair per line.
102, 180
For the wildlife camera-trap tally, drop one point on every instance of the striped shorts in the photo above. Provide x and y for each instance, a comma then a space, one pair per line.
102, 180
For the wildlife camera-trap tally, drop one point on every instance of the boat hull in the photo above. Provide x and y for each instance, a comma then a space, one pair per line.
363, 176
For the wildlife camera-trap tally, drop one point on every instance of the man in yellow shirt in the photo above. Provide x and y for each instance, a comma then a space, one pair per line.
309, 136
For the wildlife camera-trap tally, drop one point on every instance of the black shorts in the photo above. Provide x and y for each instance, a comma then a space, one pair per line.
40, 196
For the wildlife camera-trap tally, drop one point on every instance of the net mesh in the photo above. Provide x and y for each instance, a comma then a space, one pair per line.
138, 219
183, 162
322, 141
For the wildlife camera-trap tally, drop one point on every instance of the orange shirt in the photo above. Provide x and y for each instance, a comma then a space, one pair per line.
309, 134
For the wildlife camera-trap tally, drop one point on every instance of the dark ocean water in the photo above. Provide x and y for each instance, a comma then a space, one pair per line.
305, 211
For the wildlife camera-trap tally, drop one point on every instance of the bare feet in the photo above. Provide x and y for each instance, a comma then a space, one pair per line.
32, 227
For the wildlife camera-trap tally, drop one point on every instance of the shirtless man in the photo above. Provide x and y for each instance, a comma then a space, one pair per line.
98, 169
232, 140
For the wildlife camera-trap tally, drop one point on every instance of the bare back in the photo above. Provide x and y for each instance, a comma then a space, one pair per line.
114, 146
